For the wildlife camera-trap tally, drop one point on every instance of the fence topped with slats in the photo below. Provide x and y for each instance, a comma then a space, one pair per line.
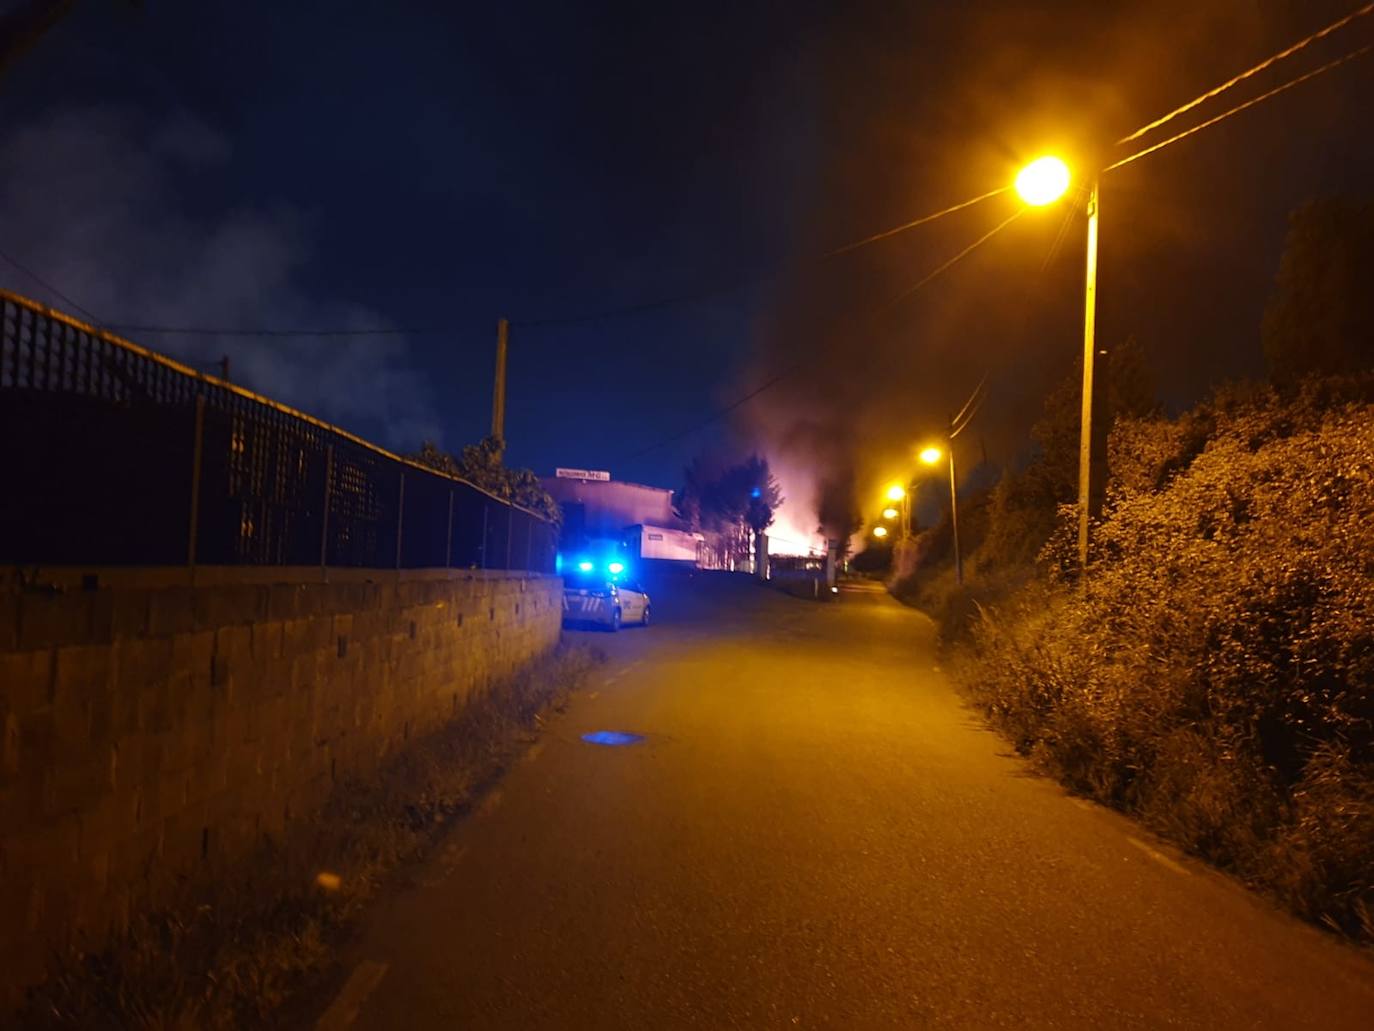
118, 455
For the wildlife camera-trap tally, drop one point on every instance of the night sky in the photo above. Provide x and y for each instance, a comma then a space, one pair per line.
437, 166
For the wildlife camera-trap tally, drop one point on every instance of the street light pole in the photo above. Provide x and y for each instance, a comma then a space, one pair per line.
954, 512
1085, 443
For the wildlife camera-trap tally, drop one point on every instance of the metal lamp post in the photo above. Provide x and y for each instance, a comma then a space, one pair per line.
1043, 182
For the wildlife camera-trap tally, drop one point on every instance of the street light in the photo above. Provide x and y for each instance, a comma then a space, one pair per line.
1044, 181
896, 492
890, 513
880, 531
932, 456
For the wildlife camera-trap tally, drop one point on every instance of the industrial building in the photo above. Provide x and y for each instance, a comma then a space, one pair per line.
597, 508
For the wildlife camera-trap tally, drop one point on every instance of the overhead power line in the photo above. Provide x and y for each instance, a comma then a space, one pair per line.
715, 416
25, 270
687, 298
913, 224
791, 369
595, 315
1241, 107
945, 266
1266, 63
206, 331
970, 409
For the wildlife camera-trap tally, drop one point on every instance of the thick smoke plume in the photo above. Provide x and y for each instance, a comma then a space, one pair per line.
114, 233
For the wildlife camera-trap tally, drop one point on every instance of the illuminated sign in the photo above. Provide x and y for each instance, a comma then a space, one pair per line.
582, 474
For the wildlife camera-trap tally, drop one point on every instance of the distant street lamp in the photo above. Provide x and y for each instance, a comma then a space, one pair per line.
896, 492
1043, 182
890, 513
932, 456
880, 532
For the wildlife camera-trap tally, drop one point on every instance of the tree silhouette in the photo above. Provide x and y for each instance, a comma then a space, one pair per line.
1320, 320
737, 502
481, 465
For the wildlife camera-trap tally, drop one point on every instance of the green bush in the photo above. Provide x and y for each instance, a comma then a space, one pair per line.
1214, 674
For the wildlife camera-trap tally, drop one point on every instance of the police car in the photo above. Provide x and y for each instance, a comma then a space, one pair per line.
601, 593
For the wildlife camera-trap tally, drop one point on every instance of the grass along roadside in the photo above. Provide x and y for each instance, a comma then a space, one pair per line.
240, 940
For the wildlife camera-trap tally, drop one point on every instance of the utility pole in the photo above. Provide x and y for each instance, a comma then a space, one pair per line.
954, 511
1085, 443
498, 394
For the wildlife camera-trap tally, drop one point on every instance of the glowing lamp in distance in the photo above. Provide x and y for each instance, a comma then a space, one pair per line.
931, 455
585, 566
889, 513
896, 492
880, 531
616, 567
1043, 181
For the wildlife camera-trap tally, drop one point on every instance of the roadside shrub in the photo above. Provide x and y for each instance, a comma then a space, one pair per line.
1214, 674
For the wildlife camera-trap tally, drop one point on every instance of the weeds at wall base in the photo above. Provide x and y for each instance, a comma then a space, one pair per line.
244, 938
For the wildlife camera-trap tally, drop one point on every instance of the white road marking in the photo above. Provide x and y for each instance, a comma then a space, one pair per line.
345, 1008
1157, 856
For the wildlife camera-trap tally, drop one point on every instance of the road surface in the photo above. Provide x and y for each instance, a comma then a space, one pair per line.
814, 832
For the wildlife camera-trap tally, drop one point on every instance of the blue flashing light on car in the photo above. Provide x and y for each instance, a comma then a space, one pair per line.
616, 568
584, 566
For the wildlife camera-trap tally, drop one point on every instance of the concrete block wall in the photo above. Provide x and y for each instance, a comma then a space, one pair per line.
155, 721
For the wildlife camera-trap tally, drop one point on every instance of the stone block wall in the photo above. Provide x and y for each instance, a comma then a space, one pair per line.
155, 721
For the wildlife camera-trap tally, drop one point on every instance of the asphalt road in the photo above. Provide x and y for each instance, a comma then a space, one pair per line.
814, 832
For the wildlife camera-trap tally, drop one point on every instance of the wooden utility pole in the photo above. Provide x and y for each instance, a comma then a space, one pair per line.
498, 393
954, 510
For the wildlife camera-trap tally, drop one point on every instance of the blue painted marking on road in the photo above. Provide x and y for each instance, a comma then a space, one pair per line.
612, 738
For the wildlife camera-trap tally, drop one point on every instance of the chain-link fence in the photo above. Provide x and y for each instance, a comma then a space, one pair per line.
113, 455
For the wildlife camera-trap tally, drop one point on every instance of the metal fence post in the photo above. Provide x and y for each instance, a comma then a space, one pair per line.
197, 451
324, 519
400, 517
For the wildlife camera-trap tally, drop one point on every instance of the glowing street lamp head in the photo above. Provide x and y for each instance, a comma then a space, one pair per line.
889, 513
880, 531
1043, 181
895, 492
931, 455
